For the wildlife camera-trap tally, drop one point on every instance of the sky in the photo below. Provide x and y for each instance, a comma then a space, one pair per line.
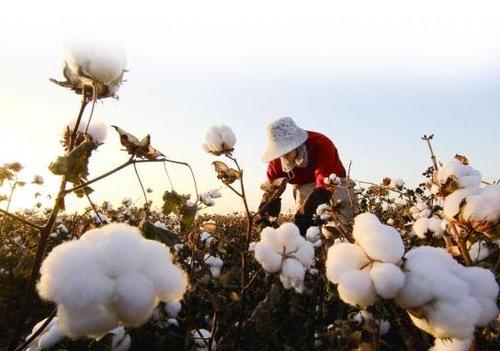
374, 76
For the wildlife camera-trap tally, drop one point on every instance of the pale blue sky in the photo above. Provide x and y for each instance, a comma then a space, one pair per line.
373, 77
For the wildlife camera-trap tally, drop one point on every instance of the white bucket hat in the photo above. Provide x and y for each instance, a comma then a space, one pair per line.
283, 135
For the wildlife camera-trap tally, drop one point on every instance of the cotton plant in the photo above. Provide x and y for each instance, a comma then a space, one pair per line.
285, 251
219, 140
110, 276
370, 267
445, 298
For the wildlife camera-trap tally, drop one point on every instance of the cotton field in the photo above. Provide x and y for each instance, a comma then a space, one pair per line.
413, 269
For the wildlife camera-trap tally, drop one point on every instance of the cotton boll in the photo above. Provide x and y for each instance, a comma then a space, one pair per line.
117, 242
170, 282
452, 202
342, 258
98, 130
451, 345
479, 251
215, 264
388, 279
484, 288
305, 254
49, 337
428, 226
173, 308
380, 242
267, 257
102, 61
71, 275
228, 136
313, 234
134, 299
356, 288
120, 340
464, 175
293, 269
289, 236
269, 236
91, 321
484, 206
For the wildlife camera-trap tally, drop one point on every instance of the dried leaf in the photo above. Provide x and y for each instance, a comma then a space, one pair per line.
133, 146
226, 174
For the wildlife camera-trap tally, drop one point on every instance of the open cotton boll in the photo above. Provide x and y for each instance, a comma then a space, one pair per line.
90, 321
293, 269
313, 234
103, 61
425, 227
134, 299
267, 257
305, 254
120, 340
270, 237
388, 279
397, 183
215, 264
485, 206
452, 202
71, 275
173, 308
289, 236
484, 288
98, 130
464, 175
450, 319
356, 288
420, 210
479, 251
342, 258
170, 281
451, 344
228, 137
201, 338
379, 241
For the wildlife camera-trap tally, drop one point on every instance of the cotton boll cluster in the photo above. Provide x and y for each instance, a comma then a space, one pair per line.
285, 251
111, 276
207, 198
420, 210
313, 235
49, 337
215, 264
219, 140
368, 268
451, 299
428, 227
201, 338
103, 62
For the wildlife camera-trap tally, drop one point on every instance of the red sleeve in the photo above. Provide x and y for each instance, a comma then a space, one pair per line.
274, 170
327, 161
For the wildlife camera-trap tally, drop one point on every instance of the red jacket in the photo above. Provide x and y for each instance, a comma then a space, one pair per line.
323, 160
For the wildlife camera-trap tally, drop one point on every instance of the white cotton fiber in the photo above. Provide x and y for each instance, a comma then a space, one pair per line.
111, 275
313, 234
425, 227
102, 61
380, 242
387, 278
464, 175
219, 139
305, 254
451, 344
134, 299
48, 338
342, 258
452, 202
215, 264
293, 269
356, 288
268, 257
483, 206
71, 275
91, 321
289, 236
173, 308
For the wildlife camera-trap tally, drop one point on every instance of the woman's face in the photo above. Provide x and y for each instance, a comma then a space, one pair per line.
290, 156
